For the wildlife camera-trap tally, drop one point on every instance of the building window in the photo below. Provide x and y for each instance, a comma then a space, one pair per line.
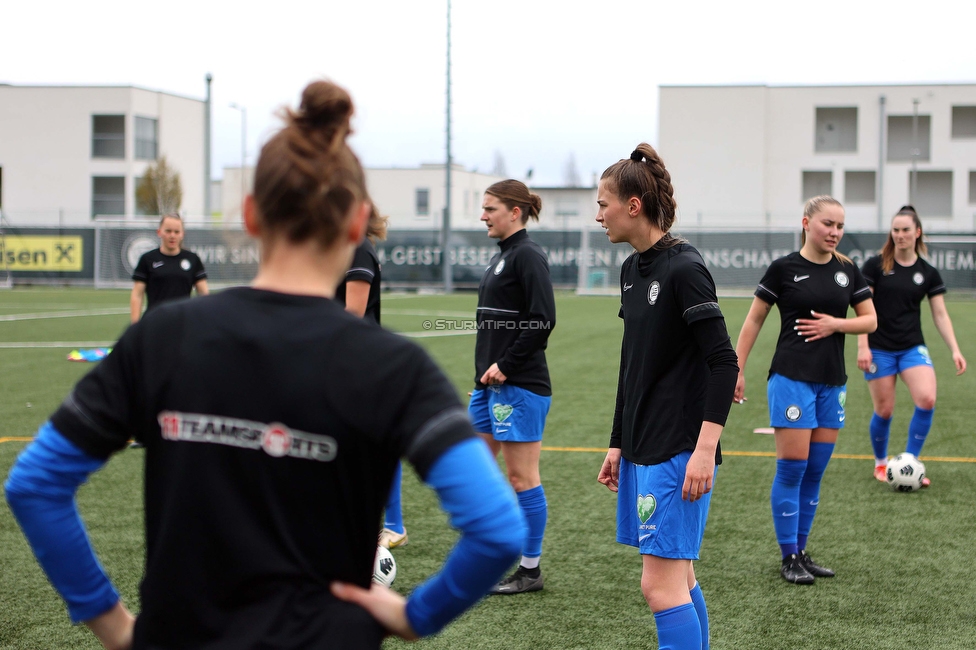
972, 188
900, 141
423, 201
933, 195
108, 195
859, 187
108, 136
147, 130
963, 122
836, 130
816, 183
137, 185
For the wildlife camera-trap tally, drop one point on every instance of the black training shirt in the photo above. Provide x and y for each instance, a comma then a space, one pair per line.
168, 277
898, 297
516, 314
677, 364
799, 286
273, 424
365, 268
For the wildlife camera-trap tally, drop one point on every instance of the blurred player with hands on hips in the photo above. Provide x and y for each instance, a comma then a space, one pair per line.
168, 272
677, 373
272, 425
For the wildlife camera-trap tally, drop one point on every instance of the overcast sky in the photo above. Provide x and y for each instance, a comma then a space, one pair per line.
534, 82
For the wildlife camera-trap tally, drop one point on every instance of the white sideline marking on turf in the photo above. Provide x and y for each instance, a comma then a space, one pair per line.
430, 335
56, 344
111, 311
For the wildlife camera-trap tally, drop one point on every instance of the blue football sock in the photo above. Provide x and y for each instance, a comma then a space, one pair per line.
698, 600
678, 628
785, 500
536, 511
880, 429
394, 513
820, 453
918, 430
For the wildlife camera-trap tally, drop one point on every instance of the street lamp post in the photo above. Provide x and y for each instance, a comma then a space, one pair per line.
243, 111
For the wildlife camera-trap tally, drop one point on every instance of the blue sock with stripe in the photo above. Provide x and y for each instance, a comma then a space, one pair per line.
918, 430
678, 628
820, 453
536, 511
880, 430
393, 519
785, 500
698, 600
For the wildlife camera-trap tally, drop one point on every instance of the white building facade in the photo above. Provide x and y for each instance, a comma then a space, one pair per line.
750, 156
71, 153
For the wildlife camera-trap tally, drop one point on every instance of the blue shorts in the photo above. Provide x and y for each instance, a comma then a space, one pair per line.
651, 514
885, 363
805, 405
509, 413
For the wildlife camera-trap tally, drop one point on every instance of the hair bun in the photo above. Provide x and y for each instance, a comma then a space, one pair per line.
637, 156
325, 107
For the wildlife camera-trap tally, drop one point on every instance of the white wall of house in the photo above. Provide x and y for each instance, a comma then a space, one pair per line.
46, 149
737, 154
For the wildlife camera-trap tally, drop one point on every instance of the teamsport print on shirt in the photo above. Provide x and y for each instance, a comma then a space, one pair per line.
275, 439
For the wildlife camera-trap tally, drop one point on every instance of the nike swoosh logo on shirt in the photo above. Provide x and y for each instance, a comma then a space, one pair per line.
627, 287
797, 278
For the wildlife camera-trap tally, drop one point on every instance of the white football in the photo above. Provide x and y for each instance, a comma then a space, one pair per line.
905, 473
384, 567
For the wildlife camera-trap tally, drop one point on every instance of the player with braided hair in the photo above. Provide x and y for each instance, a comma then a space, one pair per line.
677, 373
813, 287
272, 428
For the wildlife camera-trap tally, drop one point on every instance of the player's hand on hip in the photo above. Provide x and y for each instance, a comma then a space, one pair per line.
610, 472
385, 605
493, 376
698, 476
114, 628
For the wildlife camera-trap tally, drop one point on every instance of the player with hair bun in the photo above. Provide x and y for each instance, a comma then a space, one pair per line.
272, 425
900, 279
516, 314
813, 287
677, 373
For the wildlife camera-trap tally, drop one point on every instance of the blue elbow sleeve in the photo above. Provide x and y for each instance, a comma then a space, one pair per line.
483, 507
41, 492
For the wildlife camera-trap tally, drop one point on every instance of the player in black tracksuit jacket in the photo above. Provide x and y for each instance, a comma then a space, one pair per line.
512, 393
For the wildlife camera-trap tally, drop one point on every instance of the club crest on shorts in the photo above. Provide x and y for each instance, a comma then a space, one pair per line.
924, 351
793, 412
646, 505
653, 292
918, 278
502, 411
841, 279
842, 398
500, 266
185, 265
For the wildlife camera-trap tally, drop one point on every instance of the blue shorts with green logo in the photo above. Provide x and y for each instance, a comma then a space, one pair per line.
805, 405
651, 514
885, 363
509, 413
